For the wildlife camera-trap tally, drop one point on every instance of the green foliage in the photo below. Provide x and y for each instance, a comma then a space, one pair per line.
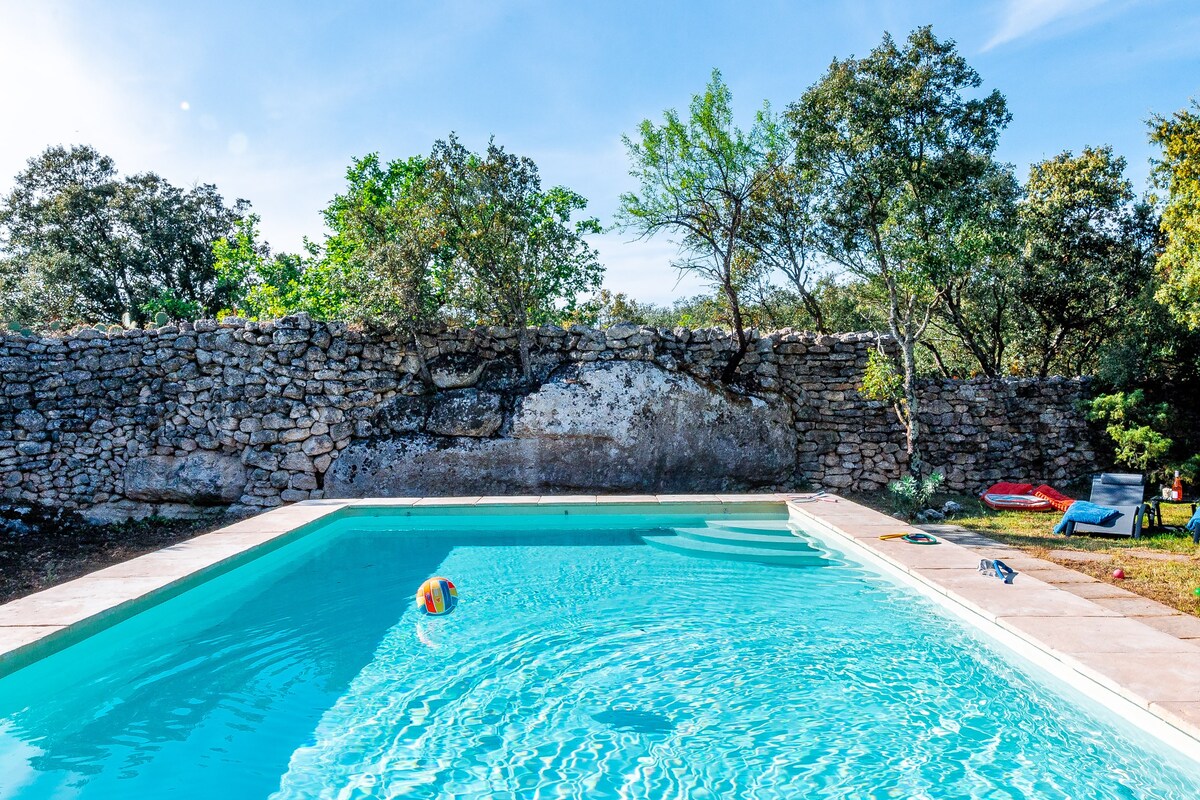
910, 495
515, 256
1177, 172
779, 233
881, 381
1089, 249
82, 242
697, 177
169, 303
1189, 470
975, 323
384, 247
1136, 428
259, 285
1150, 349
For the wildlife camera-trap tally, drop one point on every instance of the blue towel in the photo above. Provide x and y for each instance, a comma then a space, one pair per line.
1193, 524
1087, 513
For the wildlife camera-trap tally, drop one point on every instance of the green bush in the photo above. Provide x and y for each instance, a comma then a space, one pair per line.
881, 380
909, 495
1137, 429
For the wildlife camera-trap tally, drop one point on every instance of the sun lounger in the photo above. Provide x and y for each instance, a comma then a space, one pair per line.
1123, 492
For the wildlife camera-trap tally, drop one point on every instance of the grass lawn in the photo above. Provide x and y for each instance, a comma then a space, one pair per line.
1162, 565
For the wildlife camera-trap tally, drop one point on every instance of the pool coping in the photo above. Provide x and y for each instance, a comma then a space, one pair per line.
1112, 656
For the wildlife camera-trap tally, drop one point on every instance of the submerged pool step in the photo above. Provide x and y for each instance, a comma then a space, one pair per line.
776, 528
730, 552
738, 538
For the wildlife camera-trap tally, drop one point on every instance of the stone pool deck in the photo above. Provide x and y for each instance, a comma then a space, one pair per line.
1124, 645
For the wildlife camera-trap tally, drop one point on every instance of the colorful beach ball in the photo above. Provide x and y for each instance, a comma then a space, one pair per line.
437, 596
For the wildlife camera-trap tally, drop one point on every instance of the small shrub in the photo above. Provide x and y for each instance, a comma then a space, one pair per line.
881, 380
909, 495
1136, 428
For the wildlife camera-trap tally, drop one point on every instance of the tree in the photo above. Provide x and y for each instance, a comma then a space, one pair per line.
1177, 172
514, 254
388, 243
697, 179
979, 307
111, 245
901, 156
1088, 251
260, 285
779, 231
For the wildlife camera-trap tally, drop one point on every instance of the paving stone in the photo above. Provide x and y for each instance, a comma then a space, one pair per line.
1185, 626
1146, 677
1082, 556
1097, 589
1136, 606
1097, 635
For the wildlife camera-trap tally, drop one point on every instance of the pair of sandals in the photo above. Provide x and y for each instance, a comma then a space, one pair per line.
997, 568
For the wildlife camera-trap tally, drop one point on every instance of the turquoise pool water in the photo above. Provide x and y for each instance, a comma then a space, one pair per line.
580, 664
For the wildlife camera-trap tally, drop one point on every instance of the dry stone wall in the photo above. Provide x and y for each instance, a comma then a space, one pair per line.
255, 414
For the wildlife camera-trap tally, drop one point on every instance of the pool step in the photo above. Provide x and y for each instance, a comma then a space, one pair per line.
767, 527
730, 552
720, 535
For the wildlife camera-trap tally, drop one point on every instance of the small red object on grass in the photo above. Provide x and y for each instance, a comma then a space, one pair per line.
1119, 574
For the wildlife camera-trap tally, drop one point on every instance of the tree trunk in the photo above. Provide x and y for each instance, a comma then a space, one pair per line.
422, 365
937, 358
814, 308
523, 348
913, 428
743, 344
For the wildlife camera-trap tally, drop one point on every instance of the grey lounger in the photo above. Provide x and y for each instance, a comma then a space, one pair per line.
1124, 492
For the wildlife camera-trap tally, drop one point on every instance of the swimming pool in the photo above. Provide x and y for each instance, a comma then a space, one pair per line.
580, 663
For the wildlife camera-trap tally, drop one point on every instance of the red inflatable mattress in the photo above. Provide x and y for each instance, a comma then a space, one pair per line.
1005, 496
1015, 502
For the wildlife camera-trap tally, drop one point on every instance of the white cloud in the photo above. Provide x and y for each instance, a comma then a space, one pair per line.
1023, 17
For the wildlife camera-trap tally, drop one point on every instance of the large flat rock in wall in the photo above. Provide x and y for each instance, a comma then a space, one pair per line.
611, 426
200, 478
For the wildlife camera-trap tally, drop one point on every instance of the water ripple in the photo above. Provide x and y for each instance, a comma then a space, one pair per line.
581, 665
670, 677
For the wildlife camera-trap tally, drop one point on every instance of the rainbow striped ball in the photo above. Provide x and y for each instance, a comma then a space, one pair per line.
437, 596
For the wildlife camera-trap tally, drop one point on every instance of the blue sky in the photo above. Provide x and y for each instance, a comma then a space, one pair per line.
270, 101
